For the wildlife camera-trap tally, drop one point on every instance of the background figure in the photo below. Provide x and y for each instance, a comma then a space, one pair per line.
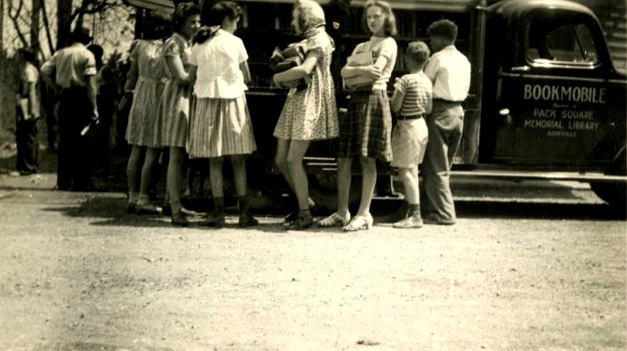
449, 70
309, 113
28, 113
144, 131
73, 69
106, 106
365, 130
175, 103
220, 123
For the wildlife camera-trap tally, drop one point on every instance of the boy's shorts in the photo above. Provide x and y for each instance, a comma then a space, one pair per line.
409, 142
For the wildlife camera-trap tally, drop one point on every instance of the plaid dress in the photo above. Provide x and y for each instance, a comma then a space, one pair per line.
366, 128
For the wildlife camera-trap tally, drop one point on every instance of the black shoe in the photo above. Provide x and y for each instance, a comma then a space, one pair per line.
179, 219
131, 208
215, 221
166, 210
291, 217
247, 221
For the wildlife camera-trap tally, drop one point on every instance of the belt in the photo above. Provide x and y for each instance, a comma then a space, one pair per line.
443, 101
404, 118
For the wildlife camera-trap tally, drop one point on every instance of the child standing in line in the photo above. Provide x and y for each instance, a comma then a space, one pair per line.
309, 113
365, 130
220, 124
411, 102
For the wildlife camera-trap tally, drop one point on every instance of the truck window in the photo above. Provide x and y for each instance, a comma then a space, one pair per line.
560, 43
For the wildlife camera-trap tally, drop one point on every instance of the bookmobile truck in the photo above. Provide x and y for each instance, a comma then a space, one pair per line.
546, 102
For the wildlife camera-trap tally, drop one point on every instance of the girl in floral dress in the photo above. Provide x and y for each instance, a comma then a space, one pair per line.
176, 102
220, 124
309, 113
366, 130
144, 131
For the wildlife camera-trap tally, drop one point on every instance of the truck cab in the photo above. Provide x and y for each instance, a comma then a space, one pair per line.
552, 104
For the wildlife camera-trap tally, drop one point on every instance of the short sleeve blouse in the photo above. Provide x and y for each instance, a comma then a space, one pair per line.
218, 74
385, 47
177, 46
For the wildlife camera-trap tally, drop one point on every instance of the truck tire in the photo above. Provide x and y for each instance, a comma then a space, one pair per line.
614, 194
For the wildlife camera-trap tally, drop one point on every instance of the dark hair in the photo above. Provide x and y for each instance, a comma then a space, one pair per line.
215, 17
220, 11
418, 52
98, 52
158, 25
390, 20
443, 28
28, 54
80, 34
182, 12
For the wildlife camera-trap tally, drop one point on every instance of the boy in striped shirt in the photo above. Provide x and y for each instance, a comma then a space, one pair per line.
411, 102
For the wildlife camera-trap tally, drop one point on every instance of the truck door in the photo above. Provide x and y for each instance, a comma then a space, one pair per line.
560, 97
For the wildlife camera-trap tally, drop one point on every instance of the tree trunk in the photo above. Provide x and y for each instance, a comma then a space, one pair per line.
64, 22
34, 25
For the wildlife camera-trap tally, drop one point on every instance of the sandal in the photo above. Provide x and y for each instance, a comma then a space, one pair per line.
359, 223
334, 220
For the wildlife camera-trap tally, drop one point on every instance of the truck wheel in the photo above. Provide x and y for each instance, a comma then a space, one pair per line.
614, 194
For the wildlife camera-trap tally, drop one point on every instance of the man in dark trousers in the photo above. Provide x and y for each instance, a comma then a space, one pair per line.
449, 71
73, 70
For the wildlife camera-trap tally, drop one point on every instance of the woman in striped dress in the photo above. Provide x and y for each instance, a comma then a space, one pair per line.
176, 100
146, 80
220, 124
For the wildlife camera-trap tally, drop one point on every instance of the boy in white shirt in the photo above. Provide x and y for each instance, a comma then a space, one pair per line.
411, 102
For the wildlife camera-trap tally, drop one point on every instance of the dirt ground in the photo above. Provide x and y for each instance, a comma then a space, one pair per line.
77, 274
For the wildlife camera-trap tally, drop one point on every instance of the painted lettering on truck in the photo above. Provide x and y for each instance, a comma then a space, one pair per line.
563, 111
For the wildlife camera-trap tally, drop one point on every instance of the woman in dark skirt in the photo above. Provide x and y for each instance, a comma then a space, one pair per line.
365, 130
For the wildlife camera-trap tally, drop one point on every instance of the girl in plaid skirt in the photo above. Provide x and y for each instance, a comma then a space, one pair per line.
365, 130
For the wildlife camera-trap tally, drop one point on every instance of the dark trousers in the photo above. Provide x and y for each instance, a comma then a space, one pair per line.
446, 124
73, 167
27, 146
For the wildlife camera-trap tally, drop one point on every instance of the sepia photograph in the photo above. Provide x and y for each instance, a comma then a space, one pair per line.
313, 175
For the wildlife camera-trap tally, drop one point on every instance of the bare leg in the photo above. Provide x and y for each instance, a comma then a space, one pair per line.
344, 169
216, 176
280, 160
239, 172
409, 177
133, 172
147, 174
175, 176
369, 180
300, 183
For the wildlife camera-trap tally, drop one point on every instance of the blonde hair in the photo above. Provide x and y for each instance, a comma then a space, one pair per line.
310, 14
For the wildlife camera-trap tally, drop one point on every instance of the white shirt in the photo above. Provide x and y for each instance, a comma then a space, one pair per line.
449, 70
218, 75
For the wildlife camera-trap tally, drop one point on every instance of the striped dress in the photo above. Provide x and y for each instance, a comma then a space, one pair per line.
220, 123
144, 121
175, 103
